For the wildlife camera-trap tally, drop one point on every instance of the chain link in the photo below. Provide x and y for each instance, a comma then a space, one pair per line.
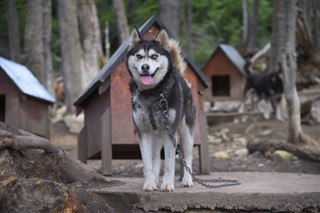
209, 183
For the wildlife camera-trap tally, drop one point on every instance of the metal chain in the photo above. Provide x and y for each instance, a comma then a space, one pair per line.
209, 183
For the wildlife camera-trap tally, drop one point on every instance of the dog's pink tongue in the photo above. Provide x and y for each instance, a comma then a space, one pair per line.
147, 79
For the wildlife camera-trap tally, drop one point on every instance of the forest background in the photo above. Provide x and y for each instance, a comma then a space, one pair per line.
75, 38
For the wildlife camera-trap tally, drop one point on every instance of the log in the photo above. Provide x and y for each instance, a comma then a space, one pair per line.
72, 169
306, 152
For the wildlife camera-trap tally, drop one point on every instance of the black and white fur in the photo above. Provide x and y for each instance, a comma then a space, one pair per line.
267, 87
151, 60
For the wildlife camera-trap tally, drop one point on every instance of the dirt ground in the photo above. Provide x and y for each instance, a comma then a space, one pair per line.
228, 153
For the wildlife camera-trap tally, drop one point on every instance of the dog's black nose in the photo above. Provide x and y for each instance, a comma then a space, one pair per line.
145, 67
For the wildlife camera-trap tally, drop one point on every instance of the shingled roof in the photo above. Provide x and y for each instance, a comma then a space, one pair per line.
25, 80
122, 51
233, 55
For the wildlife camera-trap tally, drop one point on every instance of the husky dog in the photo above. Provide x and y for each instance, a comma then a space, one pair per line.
267, 86
155, 68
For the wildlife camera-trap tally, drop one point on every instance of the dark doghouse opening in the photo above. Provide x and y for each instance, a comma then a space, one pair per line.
2, 107
221, 85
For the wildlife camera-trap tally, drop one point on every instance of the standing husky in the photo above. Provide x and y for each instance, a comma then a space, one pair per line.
267, 87
155, 67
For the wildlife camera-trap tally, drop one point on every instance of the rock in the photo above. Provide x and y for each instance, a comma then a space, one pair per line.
266, 132
214, 140
282, 155
242, 141
221, 155
242, 153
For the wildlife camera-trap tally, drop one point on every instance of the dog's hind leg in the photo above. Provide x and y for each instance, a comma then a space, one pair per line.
169, 166
277, 108
186, 142
265, 108
146, 147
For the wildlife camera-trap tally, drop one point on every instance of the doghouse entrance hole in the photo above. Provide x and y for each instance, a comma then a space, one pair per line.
2, 107
221, 85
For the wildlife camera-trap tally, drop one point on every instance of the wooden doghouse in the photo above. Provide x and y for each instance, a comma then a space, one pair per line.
225, 71
108, 131
24, 102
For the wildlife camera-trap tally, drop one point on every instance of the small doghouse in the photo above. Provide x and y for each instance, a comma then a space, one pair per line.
108, 131
225, 71
24, 102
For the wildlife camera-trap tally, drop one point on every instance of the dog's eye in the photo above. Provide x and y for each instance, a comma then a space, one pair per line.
139, 56
154, 56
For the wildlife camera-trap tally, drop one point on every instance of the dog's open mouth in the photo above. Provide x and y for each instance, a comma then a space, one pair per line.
146, 79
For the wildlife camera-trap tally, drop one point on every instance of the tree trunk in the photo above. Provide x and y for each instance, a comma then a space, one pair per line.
316, 24
90, 38
13, 30
305, 41
277, 38
284, 26
253, 27
169, 12
47, 8
34, 47
121, 17
245, 21
73, 65
187, 26
283, 53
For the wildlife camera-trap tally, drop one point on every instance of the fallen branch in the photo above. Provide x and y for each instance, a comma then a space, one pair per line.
260, 53
301, 151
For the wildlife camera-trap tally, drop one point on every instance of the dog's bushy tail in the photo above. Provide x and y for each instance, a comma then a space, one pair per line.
177, 59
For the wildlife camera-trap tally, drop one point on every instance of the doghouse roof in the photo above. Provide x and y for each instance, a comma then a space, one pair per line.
25, 80
122, 51
233, 55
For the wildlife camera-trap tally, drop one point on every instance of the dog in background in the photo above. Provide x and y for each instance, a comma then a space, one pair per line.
267, 87
155, 67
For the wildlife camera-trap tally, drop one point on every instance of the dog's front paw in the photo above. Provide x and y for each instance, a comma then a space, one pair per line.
150, 186
167, 187
187, 182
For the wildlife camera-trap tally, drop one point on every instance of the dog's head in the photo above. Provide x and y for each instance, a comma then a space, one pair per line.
148, 61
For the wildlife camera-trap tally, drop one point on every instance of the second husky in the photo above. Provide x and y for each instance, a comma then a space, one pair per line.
155, 67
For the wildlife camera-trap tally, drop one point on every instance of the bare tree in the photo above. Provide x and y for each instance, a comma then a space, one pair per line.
187, 26
170, 13
38, 39
48, 70
245, 20
316, 23
73, 65
90, 38
253, 26
283, 53
250, 19
33, 42
306, 31
13, 30
121, 17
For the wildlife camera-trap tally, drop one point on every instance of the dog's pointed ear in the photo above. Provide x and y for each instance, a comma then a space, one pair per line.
162, 37
134, 38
